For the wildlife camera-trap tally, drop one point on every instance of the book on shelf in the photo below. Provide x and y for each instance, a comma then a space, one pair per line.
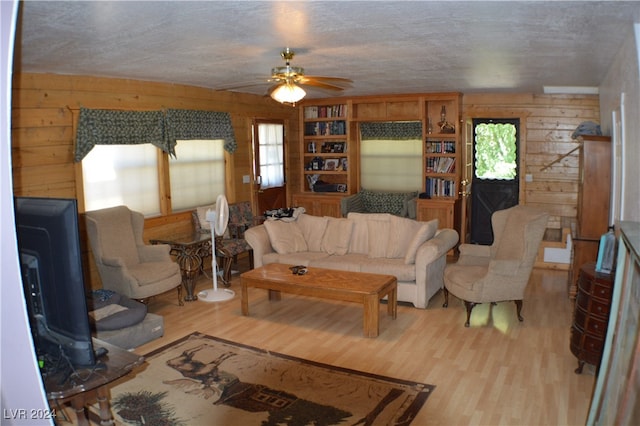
325, 128
436, 187
440, 165
441, 147
325, 111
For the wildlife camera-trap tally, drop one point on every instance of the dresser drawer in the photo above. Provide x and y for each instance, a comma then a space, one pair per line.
592, 305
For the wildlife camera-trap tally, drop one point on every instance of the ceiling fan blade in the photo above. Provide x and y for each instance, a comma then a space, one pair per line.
243, 85
328, 79
314, 83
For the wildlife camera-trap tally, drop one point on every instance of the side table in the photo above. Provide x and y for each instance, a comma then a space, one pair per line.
189, 251
591, 315
116, 363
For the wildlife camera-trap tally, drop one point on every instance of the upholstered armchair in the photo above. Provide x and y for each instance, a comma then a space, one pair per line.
241, 218
125, 263
232, 243
499, 272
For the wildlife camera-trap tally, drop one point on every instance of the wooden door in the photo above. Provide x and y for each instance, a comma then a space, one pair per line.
495, 179
269, 168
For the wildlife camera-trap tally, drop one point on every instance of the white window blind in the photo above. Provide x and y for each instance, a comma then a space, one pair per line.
391, 165
122, 175
197, 173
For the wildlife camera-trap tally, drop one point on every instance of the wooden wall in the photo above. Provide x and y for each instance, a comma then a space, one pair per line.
546, 125
43, 135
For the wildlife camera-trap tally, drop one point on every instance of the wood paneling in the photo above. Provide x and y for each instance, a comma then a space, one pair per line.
42, 131
547, 122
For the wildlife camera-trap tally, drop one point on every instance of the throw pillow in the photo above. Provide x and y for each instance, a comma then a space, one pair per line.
337, 236
202, 216
425, 233
378, 236
402, 232
285, 237
313, 228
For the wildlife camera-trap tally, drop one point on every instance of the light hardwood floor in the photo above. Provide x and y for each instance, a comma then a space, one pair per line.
498, 371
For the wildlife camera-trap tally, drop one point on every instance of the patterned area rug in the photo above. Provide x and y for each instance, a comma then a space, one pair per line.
203, 380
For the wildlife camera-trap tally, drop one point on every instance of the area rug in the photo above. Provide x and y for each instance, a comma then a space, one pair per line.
204, 380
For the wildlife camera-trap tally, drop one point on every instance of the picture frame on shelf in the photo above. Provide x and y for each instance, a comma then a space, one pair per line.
331, 164
338, 147
317, 163
344, 164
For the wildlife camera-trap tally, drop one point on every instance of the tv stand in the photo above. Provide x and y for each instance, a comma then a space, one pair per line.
114, 363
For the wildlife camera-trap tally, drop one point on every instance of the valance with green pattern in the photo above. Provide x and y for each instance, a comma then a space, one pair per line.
191, 124
391, 130
109, 127
159, 128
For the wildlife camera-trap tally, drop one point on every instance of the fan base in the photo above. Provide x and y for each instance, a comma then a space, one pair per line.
216, 295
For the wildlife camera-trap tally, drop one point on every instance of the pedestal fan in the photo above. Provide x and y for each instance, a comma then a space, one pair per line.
218, 220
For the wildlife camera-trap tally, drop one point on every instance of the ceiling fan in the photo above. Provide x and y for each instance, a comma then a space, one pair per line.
289, 78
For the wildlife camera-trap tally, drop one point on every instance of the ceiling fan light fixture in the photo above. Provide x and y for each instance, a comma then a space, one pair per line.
288, 93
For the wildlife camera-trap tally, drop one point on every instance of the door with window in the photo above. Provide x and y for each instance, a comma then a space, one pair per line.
269, 148
495, 180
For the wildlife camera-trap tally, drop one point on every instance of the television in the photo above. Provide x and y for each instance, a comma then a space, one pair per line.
52, 276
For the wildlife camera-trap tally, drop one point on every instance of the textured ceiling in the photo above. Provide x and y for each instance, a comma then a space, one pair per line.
384, 47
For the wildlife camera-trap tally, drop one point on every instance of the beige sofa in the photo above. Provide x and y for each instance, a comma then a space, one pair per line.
414, 252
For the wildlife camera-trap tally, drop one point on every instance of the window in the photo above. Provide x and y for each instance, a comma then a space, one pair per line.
122, 175
128, 175
496, 151
270, 154
197, 174
391, 165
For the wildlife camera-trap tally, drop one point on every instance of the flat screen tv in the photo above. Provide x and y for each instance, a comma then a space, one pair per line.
50, 257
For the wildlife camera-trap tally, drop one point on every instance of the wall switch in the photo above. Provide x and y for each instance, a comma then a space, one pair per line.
246, 179
528, 178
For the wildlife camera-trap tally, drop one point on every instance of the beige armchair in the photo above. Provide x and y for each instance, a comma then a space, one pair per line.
125, 264
499, 272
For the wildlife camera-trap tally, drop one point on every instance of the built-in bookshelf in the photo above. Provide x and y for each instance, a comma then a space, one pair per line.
442, 149
325, 149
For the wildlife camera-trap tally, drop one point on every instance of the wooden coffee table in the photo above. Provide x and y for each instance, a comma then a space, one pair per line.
358, 287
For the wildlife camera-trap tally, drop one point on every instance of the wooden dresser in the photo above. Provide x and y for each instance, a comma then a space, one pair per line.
594, 191
591, 315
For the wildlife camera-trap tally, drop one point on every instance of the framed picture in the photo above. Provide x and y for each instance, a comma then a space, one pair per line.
344, 164
338, 147
326, 147
317, 164
331, 164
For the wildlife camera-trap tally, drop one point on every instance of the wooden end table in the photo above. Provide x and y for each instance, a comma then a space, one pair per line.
358, 287
117, 363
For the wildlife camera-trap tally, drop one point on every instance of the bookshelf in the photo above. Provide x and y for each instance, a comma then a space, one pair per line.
325, 149
441, 158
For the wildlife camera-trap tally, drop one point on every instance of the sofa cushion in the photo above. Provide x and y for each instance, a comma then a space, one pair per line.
285, 237
395, 267
305, 258
313, 228
400, 238
337, 236
360, 235
425, 233
379, 230
349, 262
